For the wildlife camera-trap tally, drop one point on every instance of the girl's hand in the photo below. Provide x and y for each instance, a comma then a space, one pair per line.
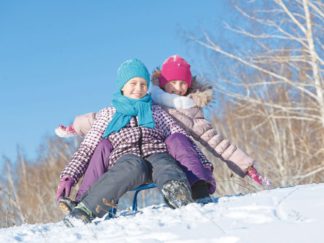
261, 180
64, 187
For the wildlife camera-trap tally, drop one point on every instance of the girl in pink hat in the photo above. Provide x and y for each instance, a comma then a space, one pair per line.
183, 97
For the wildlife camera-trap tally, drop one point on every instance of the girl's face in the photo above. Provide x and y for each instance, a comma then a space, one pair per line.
135, 88
178, 87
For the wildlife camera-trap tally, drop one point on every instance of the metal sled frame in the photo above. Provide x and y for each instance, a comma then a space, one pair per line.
139, 189
113, 211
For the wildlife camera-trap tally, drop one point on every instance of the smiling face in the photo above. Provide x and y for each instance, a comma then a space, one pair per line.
178, 87
135, 88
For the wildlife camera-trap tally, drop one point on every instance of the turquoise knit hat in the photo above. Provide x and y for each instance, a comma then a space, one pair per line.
130, 69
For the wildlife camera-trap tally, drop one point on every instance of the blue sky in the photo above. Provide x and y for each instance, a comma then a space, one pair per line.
59, 58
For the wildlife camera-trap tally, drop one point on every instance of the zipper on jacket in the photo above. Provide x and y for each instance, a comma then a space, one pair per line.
140, 140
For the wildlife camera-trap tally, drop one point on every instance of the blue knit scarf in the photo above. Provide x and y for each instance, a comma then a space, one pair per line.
126, 108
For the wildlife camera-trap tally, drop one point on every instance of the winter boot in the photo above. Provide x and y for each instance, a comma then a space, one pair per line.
80, 215
200, 192
65, 132
176, 194
67, 205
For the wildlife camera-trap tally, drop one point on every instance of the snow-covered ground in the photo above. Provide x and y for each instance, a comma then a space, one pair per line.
294, 214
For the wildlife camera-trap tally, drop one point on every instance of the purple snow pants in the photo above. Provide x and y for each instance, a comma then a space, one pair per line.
98, 165
179, 147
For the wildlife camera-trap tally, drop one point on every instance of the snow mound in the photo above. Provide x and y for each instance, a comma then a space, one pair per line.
294, 214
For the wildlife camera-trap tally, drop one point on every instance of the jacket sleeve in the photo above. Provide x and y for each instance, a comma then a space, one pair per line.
83, 123
80, 159
203, 132
166, 123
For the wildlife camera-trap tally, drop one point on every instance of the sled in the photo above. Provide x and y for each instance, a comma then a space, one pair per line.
113, 211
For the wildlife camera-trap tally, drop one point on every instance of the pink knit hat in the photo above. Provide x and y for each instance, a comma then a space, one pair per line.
175, 68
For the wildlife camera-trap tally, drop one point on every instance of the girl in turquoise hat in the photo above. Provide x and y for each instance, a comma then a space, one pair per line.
137, 131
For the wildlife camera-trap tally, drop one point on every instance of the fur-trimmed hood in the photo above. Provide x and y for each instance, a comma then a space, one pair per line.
201, 93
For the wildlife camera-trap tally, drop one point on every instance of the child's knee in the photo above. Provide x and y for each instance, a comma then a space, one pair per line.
176, 139
105, 144
134, 164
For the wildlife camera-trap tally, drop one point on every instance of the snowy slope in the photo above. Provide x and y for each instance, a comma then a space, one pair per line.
293, 214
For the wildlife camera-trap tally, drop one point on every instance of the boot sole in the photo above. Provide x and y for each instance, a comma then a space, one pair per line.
177, 196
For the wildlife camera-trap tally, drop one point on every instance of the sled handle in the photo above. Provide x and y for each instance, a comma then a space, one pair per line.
137, 190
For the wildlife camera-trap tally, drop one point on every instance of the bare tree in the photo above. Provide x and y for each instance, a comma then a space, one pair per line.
275, 83
287, 51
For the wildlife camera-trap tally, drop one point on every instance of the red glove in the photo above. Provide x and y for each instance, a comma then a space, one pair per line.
64, 187
254, 174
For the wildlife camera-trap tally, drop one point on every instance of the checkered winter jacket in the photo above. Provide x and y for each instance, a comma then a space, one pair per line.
131, 139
